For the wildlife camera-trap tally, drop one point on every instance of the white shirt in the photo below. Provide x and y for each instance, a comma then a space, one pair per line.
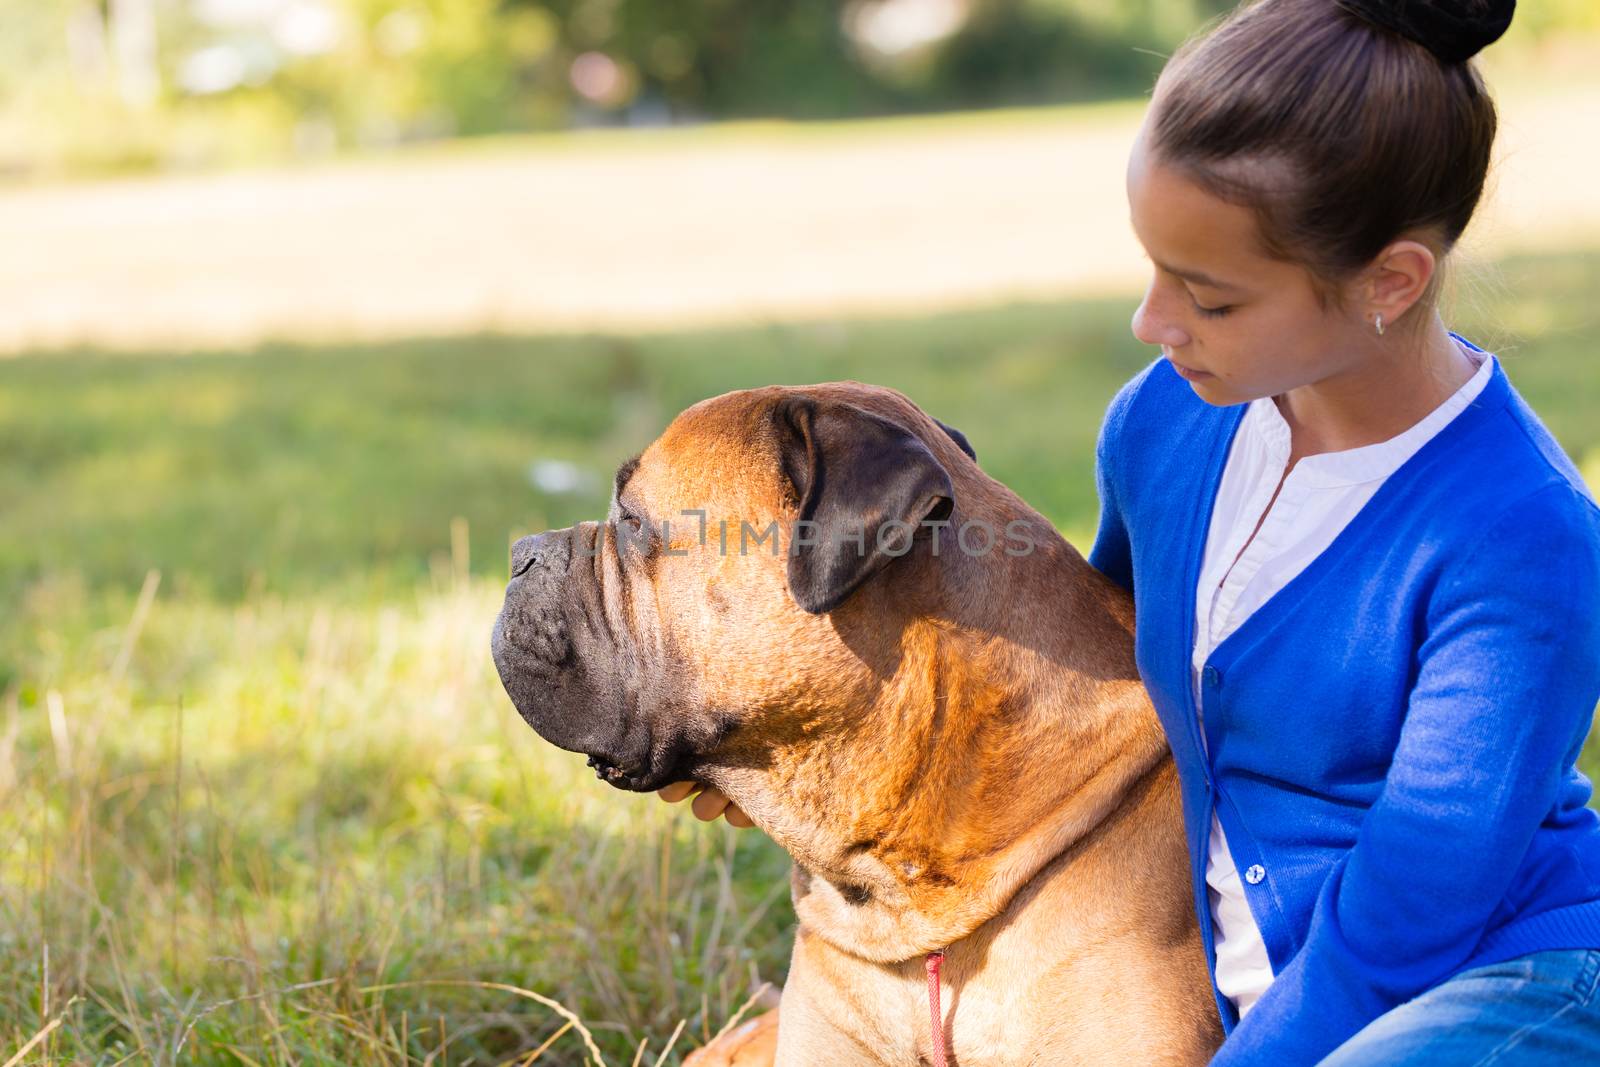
1321, 494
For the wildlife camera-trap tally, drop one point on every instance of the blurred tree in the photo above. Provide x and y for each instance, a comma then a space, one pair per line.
1038, 51
787, 58
93, 84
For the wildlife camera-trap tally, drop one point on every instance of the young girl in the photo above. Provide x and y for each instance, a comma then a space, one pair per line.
1366, 577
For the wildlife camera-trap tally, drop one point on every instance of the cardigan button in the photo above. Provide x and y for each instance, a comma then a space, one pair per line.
1255, 873
1212, 676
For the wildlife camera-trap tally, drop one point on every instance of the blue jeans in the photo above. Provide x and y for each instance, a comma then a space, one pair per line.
1535, 1010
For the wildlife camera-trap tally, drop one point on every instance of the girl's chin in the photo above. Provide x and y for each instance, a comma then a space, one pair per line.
1214, 391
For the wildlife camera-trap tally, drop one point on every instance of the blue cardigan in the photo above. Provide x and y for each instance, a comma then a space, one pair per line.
1392, 735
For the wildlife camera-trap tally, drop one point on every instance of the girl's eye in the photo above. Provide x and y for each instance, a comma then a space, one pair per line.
1211, 313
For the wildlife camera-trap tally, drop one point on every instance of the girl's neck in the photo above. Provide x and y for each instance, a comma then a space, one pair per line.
1389, 392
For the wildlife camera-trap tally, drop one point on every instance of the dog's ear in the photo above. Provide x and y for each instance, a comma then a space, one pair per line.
854, 473
959, 438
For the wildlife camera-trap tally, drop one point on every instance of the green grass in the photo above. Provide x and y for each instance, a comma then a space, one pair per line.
351, 802
298, 468
354, 804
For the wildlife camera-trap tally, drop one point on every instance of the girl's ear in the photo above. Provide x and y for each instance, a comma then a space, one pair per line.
1397, 279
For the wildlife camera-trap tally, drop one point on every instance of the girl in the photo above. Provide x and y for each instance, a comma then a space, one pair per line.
1366, 577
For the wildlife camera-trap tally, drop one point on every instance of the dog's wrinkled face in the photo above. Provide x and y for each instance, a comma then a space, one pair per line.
703, 600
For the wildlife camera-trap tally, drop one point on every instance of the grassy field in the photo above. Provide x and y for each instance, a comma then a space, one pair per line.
262, 799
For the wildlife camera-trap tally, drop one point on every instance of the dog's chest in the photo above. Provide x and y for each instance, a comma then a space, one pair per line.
986, 1023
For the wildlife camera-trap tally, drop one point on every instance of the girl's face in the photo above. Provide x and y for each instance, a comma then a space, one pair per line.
1235, 323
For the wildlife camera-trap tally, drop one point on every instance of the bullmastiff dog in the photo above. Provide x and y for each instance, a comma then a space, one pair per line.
813, 599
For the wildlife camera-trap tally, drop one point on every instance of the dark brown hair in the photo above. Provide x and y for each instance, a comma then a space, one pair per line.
1340, 134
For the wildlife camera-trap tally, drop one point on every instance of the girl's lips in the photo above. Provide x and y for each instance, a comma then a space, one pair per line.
1186, 373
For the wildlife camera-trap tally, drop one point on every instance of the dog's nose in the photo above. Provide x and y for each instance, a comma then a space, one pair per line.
551, 550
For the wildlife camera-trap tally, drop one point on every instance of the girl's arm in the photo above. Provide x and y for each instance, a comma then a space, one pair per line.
1112, 553
1508, 677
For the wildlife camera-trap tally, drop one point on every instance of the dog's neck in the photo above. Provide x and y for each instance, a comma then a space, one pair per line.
991, 750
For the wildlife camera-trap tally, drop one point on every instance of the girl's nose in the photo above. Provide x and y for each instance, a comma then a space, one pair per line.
1154, 328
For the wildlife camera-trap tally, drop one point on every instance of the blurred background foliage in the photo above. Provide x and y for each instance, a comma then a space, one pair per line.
126, 85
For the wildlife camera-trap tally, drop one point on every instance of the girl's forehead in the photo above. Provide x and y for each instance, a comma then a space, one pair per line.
1181, 225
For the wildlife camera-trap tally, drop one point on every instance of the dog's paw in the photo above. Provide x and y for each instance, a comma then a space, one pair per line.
752, 1043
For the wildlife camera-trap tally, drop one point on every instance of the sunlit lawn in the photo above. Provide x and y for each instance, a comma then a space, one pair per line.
351, 802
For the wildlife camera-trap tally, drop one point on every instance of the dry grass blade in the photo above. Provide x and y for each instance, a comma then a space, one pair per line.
673, 1040
130, 636
746, 1006
540, 1051
203, 1012
43, 1033
555, 1006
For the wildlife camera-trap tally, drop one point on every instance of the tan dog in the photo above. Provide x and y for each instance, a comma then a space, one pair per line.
953, 744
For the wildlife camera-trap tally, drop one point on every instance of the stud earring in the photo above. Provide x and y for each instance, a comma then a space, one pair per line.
1377, 320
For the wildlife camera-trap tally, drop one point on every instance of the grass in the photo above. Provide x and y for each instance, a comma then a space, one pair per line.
300, 468
254, 761
288, 793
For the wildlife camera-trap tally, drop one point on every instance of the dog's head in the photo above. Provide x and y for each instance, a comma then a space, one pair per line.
752, 566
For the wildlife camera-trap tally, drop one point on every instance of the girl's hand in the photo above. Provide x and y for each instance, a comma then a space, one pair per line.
707, 804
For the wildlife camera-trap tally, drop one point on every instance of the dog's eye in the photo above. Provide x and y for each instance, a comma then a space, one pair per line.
619, 513
635, 531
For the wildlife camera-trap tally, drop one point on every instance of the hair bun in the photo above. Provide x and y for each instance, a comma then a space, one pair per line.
1453, 30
